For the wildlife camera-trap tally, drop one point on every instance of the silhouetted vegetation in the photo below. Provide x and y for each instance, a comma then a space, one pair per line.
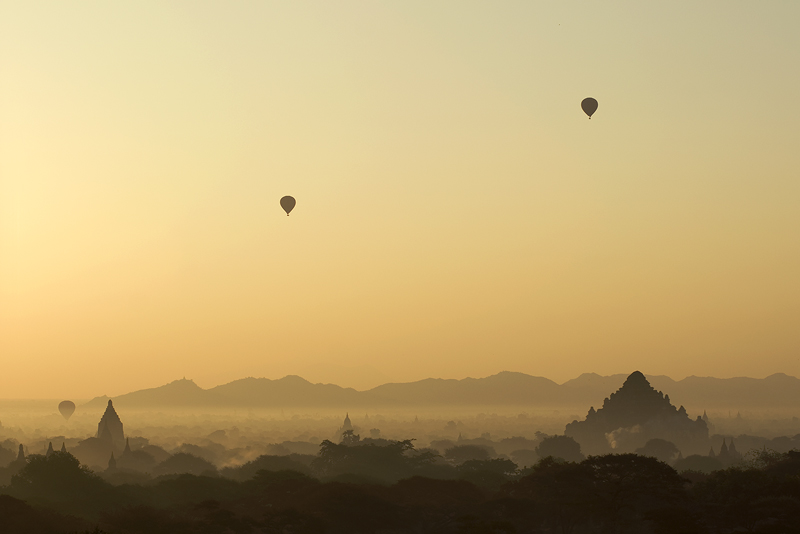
232, 481
389, 463
563, 447
389, 486
663, 450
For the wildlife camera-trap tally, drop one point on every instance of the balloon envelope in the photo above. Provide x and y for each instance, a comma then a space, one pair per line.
589, 106
66, 408
287, 203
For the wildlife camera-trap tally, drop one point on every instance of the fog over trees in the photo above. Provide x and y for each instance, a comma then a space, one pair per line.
635, 462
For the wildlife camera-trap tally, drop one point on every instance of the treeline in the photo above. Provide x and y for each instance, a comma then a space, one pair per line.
394, 488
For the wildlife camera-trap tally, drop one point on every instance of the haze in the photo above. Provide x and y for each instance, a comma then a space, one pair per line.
457, 214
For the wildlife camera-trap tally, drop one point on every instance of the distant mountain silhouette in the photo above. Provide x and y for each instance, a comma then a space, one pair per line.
289, 391
177, 394
500, 389
775, 392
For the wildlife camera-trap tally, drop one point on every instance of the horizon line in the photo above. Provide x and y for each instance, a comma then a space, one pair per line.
89, 399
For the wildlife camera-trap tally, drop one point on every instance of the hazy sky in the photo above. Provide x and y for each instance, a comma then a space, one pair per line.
457, 213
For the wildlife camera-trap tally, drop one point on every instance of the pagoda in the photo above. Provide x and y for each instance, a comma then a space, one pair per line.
109, 429
631, 416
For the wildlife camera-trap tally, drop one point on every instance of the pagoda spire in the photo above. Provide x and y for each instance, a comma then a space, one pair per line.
110, 426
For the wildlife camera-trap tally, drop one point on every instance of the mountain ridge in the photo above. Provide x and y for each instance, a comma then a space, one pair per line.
507, 388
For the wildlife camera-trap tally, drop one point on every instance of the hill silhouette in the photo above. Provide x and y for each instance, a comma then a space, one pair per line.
775, 392
289, 391
503, 388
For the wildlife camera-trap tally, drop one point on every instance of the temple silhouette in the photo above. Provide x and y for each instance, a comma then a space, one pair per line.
634, 414
109, 429
346, 425
728, 455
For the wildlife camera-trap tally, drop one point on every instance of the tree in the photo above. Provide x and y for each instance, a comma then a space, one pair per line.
186, 489
18, 517
463, 453
729, 497
6, 456
696, 462
763, 498
183, 462
265, 479
561, 490
497, 465
563, 447
439, 494
628, 486
142, 518
524, 457
488, 474
137, 460
350, 438
60, 481
786, 466
356, 508
268, 463
661, 449
764, 459
384, 462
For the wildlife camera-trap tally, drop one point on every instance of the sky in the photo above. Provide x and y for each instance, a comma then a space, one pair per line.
457, 213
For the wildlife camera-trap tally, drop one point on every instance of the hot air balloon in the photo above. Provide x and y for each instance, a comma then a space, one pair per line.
66, 408
287, 203
589, 106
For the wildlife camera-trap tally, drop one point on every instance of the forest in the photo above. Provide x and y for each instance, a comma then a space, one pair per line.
387, 486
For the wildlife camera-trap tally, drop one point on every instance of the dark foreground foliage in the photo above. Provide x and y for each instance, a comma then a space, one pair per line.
624, 493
